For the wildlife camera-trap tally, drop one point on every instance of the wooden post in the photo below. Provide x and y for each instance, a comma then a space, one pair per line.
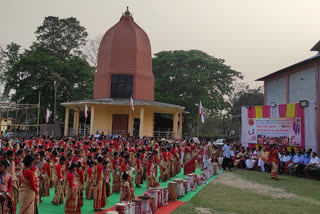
38, 119
76, 121
92, 120
66, 121
175, 124
130, 122
180, 126
141, 122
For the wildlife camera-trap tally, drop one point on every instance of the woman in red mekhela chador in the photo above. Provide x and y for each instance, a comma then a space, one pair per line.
99, 194
28, 189
72, 205
60, 171
8, 205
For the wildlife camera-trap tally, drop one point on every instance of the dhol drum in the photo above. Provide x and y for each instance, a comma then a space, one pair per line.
165, 197
173, 188
153, 192
186, 186
133, 207
220, 161
179, 187
145, 206
199, 179
195, 179
129, 208
138, 204
160, 193
215, 168
210, 169
190, 181
153, 203
183, 191
121, 208
207, 174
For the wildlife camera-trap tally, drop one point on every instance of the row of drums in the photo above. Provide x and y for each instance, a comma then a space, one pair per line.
144, 204
179, 187
159, 196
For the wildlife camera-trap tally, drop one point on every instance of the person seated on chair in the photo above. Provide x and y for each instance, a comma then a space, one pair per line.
240, 159
312, 169
251, 158
305, 161
284, 161
264, 157
296, 160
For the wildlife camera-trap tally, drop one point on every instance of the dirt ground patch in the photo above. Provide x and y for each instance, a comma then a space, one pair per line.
235, 181
203, 210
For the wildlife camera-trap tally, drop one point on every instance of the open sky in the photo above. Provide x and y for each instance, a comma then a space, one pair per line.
255, 37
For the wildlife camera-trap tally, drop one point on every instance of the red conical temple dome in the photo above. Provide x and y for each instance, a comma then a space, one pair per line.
124, 62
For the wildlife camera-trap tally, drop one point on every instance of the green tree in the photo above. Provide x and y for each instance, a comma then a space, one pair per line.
9, 57
61, 36
41, 71
244, 96
185, 77
51, 65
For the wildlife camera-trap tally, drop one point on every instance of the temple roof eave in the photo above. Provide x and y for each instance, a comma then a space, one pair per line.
124, 102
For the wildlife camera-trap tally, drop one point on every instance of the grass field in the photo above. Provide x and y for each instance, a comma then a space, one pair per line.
243, 191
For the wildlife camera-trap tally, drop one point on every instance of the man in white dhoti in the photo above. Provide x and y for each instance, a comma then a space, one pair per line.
252, 159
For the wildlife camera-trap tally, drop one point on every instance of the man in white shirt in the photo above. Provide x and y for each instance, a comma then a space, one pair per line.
227, 161
313, 167
284, 161
96, 135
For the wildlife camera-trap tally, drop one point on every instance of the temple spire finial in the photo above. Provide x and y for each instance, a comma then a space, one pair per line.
127, 13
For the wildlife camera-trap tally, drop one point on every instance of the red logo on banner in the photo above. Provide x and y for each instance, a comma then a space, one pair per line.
251, 122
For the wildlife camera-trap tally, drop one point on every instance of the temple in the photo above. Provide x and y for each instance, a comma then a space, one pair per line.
124, 70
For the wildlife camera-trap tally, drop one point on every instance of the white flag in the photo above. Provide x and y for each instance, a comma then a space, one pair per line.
132, 106
86, 111
201, 112
48, 115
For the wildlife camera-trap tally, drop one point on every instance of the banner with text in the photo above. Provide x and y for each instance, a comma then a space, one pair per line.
282, 131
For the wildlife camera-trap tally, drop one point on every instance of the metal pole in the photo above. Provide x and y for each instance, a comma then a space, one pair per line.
55, 100
0, 121
8, 119
16, 118
198, 125
38, 120
25, 130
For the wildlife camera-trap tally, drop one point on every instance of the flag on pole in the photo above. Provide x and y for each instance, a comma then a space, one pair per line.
201, 112
131, 100
48, 115
86, 111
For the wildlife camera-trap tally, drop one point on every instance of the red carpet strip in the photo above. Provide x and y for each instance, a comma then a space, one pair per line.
172, 205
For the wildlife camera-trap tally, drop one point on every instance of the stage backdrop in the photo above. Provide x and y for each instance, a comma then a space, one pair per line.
285, 124
282, 131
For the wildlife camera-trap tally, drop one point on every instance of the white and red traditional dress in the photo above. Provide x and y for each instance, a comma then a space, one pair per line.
72, 205
27, 192
59, 185
99, 194
8, 205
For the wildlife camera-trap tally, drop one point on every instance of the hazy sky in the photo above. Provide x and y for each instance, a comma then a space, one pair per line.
255, 37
